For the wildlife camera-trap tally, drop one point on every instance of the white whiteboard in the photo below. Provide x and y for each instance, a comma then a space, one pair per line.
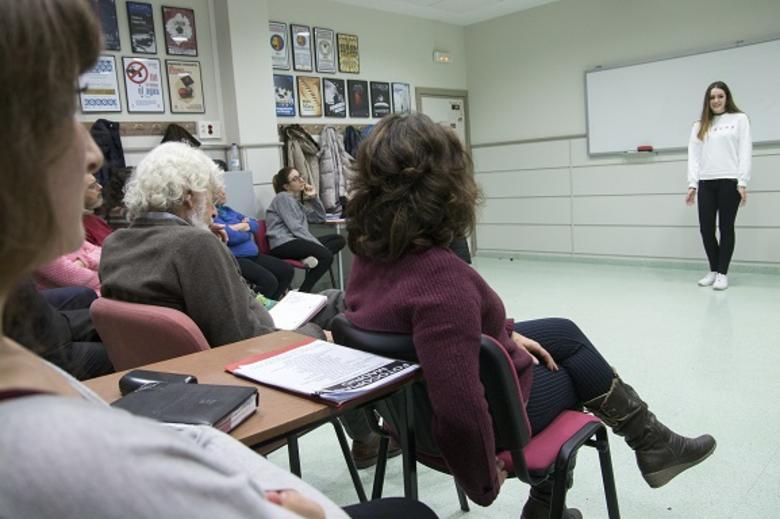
656, 103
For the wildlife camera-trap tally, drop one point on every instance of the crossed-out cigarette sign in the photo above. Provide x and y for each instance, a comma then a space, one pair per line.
137, 72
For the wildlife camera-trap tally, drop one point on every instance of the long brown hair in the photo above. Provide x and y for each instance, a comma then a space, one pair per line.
44, 46
414, 189
706, 112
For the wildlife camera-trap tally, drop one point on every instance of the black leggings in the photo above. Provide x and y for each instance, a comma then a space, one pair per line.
583, 373
718, 197
299, 249
271, 276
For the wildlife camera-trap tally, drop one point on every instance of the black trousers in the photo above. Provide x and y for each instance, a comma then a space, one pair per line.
583, 373
298, 249
271, 276
718, 198
390, 508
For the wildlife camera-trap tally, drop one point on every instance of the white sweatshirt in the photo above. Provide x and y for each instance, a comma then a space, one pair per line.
726, 151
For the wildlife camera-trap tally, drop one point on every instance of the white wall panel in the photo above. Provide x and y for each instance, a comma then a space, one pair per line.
647, 242
264, 193
512, 157
765, 174
761, 245
544, 211
262, 162
643, 210
525, 238
658, 177
540, 182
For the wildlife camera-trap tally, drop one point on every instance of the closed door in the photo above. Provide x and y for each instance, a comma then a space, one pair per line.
449, 111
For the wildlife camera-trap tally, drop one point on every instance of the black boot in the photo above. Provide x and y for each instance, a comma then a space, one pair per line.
539, 500
660, 453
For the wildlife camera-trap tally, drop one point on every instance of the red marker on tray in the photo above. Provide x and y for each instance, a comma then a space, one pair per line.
644, 147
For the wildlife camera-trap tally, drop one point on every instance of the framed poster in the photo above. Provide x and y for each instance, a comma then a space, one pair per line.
325, 49
141, 22
358, 97
181, 38
333, 98
280, 54
380, 99
100, 87
106, 12
284, 94
143, 85
402, 98
185, 87
301, 48
349, 55
309, 96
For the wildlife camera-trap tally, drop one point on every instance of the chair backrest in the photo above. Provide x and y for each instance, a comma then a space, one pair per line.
136, 334
496, 373
261, 237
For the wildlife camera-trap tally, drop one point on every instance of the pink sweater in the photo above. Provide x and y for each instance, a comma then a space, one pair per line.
446, 306
65, 272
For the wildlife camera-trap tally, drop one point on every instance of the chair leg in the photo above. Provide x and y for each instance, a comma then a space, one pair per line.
464, 502
381, 464
607, 476
332, 277
353, 473
408, 444
294, 455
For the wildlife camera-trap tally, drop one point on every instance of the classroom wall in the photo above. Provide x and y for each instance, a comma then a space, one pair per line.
544, 194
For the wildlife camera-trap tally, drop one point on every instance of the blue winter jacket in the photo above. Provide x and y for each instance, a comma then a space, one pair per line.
241, 243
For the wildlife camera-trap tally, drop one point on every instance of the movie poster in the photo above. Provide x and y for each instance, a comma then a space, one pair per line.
284, 93
380, 99
333, 97
106, 11
141, 22
358, 98
402, 99
280, 53
349, 54
143, 85
100, 87
181, 38
185, 87
309, 96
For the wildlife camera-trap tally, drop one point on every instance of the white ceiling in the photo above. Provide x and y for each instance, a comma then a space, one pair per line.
459, 12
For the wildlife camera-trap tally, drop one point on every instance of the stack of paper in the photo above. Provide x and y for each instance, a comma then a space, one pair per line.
296, 308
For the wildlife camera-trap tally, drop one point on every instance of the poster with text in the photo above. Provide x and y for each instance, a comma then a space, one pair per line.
333, 97
402, 98
100, 87
309, 96
301, 47
106, 11
358, 97
284, 94
143, 85
349, 54
380, 99
325, 46
141, 22
181, 38
185, 87
277, 39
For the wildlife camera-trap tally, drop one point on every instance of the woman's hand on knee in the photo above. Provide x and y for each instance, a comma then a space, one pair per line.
295, 502
538, 353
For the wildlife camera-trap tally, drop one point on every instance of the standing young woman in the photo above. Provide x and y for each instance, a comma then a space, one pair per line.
287, 217
719, 158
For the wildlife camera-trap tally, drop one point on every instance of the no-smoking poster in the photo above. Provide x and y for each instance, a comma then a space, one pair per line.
143, 84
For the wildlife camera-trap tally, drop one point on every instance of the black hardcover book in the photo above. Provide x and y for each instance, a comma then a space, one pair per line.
223, 407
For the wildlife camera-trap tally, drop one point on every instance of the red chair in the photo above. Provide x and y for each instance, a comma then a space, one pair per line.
261, 238
548, 455
136, 334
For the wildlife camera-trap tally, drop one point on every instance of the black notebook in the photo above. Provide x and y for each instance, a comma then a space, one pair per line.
223, 407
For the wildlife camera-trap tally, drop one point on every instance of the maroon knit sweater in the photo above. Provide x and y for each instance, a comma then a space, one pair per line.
446, 306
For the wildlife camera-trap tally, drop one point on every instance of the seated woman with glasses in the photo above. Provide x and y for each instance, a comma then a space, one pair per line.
294, 205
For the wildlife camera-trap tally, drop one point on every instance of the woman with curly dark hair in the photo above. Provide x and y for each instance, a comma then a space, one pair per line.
414, 193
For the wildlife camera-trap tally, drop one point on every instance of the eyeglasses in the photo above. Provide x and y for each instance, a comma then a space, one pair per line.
295, 179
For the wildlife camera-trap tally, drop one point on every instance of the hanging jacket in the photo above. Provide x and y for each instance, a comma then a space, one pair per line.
106, 136
336, 169
177, 133
302, 152
352, 140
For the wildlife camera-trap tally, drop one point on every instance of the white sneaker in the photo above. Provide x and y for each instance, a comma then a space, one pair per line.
310, 262
708, 280
721, 282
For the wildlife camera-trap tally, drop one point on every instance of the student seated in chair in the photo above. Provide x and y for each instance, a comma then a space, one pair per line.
65, 453
414, 193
